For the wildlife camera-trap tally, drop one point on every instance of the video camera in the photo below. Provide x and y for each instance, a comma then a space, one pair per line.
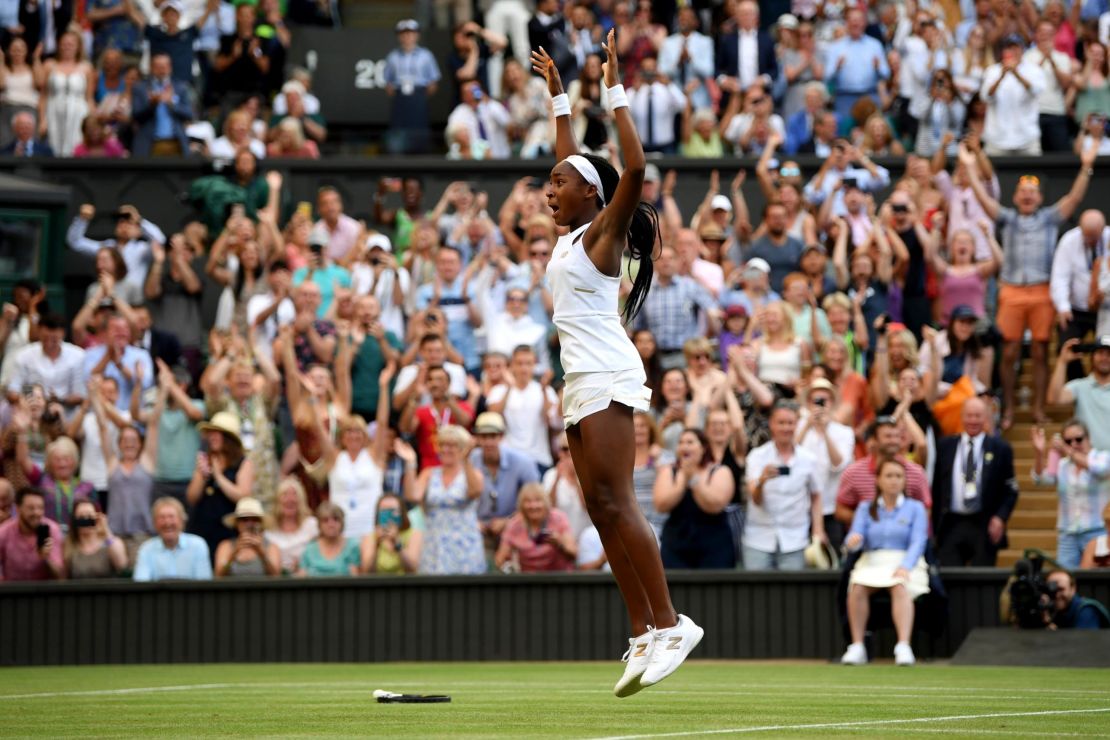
1032, 597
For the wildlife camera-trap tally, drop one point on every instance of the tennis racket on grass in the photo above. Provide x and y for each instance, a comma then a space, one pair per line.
388, 697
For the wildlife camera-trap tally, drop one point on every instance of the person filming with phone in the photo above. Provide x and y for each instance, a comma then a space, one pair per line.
1092, 403
784, 498
31, 544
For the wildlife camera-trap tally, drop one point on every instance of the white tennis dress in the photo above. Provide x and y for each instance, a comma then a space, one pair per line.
599, 360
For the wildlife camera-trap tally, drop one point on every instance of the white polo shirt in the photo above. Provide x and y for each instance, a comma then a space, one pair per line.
782, 521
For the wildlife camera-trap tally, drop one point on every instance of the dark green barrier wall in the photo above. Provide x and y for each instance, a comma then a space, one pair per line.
571, 617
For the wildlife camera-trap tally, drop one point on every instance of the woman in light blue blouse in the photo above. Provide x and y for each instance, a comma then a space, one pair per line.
892, 532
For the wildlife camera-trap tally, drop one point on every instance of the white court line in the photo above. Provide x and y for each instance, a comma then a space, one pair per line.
863, 723
1008, 733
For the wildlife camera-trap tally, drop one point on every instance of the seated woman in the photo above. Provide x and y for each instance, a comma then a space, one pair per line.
1097, 552
694, 493
1081, 476
892, 532
537, 538
292, 525
249, 553
330, 554
90, 550
393, 548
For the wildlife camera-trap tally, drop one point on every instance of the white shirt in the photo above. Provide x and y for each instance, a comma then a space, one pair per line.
526, 427
504, 334
747, 58
740, 124
222, 148
1070, 283
267, 331
355, 487
62, 377
567, 500
494, 119
1051, 99
362, 281
1012, 113
456, 373
828, 475
782, 521
958, 482
94, 468
699, 48
666, 102
590, 548
921, 67
17, 340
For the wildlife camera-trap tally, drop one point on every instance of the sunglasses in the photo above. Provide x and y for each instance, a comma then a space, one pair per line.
790, 172
1073, 441
542, 253
1029, 180
756, 101
515, 298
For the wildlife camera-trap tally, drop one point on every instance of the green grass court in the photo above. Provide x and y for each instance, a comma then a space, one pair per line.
565, 700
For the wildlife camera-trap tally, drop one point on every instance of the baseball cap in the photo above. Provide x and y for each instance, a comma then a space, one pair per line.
1012, 40
408, 24
721, 203
758, 263
814, 247
964, 311
1102, 342
789, 21
489, 422
651, 173
173, 5
736, 310
379, 241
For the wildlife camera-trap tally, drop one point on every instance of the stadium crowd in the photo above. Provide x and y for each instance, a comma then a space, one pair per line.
292, 391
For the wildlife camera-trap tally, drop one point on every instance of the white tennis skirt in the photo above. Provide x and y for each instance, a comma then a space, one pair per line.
588, 393
875, 568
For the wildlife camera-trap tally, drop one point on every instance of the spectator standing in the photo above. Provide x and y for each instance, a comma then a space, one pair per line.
411, 78
242, 64
530, 409
485, 118
173, 554
454, 300
223, 475
975, 492
119, 359
837, 177
1091, 91
114, 26
1082, 480
673, 307
23, 555
131, 478
1091, 395
176, 41
1028, 235
654, 101
1012, 89
747, 55
448, 494
51, 362
426, 421
855, 64
23, 79
338, 231
133, 237
857, 485
70, 83
537, 537
650, 459
832, 445
508, 18
162, 108
693, 493
373, 347
1055, 67
784, 508
892, 531
1078, 253
686, 58
505, 471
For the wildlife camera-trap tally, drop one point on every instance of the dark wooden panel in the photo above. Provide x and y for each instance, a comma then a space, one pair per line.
571, 617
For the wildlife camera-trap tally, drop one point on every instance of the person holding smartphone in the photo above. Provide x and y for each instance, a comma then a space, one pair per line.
393, 547
785, 510
31, 544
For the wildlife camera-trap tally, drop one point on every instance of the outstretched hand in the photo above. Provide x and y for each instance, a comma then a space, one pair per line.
609, 70
544, 65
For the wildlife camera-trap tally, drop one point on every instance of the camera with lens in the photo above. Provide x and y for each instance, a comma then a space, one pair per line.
1032, 596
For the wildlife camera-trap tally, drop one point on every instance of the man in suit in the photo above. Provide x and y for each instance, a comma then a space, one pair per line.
974, 492
746, 56
25, 144
161, 108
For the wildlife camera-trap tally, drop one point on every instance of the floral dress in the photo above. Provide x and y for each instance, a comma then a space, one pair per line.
452, 539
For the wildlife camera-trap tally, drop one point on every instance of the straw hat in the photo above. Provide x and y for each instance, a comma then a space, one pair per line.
223, 421
821, 555
246, 508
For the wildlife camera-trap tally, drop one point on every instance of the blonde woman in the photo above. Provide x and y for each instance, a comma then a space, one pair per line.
330, 554
237, 135
292, 525
290, 142
537, 538
449, 493
878, 139
60, 482
70, 83
780, 355
968, 67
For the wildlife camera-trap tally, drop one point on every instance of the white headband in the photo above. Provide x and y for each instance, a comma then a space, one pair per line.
588, 172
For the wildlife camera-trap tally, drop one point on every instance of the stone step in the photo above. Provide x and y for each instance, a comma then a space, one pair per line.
1007, 558
1037, 501
1020, 539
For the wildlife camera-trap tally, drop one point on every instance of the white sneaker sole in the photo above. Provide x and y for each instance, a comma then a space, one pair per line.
693, 638
629, 683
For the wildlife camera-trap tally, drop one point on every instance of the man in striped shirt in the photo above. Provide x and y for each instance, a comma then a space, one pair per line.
857, 485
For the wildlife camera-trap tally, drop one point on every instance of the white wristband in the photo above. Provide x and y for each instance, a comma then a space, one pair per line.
560, 105
617, 98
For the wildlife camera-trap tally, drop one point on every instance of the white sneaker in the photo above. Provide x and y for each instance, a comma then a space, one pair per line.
903, 654
856, 654
637, 657
672, 645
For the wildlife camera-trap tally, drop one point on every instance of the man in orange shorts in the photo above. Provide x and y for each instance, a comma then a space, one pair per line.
1028, 236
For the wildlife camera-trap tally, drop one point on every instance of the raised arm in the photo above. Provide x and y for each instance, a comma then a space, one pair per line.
544, 65
970, 162
1067, 205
